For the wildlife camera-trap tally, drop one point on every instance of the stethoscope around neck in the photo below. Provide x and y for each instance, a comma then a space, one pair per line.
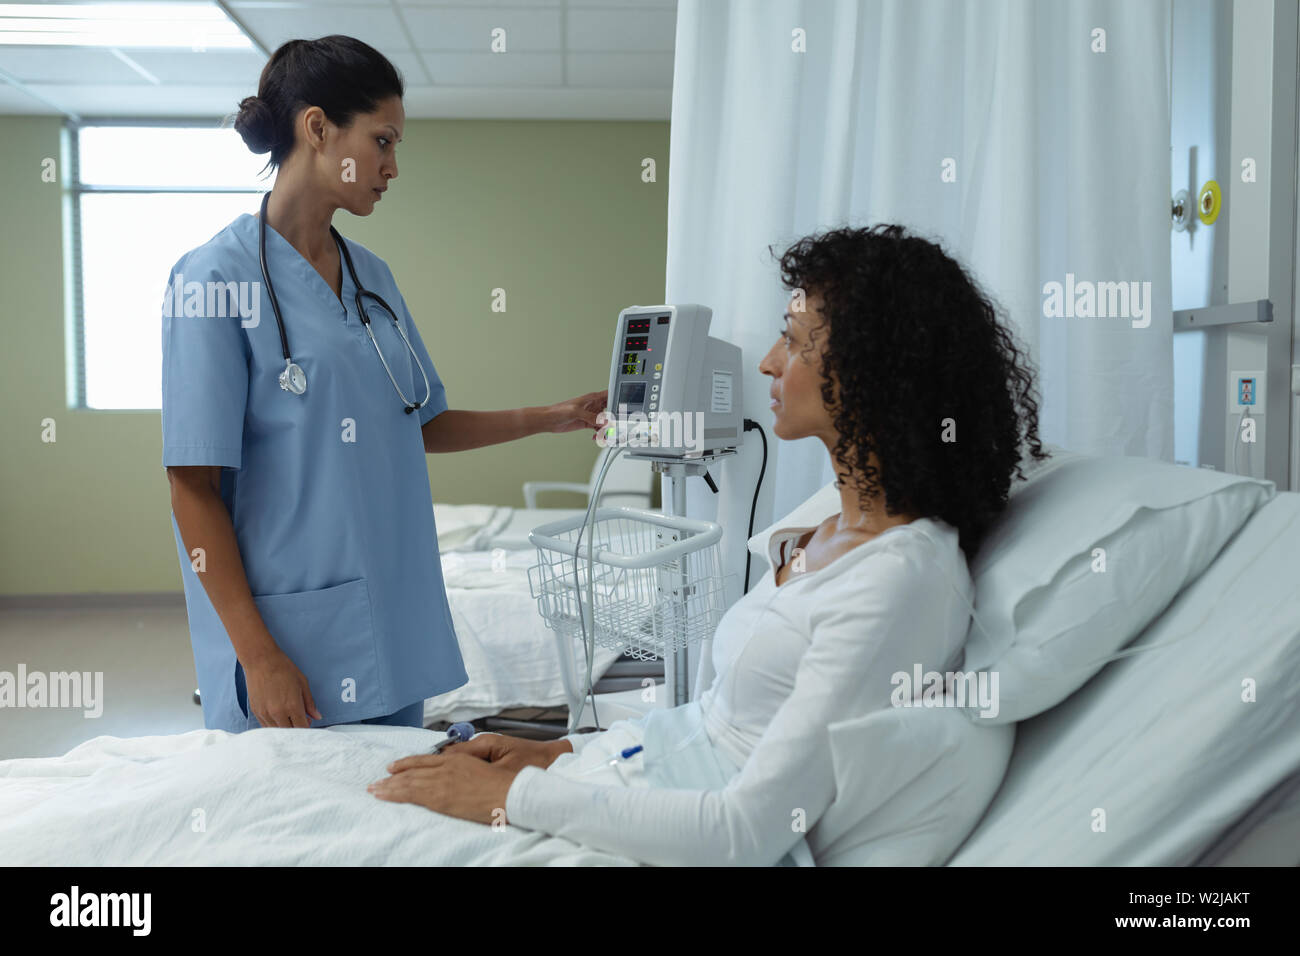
293, 379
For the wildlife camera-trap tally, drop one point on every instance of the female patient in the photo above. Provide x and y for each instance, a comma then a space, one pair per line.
899, 365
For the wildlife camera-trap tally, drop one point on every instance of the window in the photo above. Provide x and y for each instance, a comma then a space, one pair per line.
141, 196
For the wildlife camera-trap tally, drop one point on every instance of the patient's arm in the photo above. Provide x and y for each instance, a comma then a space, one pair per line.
788, 780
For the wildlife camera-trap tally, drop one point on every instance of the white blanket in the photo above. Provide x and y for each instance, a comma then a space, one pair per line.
264, 797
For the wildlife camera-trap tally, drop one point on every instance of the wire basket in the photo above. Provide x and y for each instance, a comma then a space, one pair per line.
656, 580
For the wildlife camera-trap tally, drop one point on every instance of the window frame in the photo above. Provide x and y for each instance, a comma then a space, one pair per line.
74, 189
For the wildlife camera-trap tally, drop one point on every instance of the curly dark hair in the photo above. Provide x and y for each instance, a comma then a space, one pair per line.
914, 342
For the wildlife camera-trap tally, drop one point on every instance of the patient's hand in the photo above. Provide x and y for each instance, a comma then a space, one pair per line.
454, 784
510, 753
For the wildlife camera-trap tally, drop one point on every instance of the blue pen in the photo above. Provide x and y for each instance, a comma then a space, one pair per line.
614, 761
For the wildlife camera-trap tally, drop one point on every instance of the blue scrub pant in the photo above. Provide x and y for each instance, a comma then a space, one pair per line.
411, 716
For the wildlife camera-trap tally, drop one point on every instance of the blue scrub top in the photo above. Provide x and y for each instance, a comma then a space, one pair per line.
328, 491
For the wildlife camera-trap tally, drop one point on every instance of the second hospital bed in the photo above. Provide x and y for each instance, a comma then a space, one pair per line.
520, 677
514, 662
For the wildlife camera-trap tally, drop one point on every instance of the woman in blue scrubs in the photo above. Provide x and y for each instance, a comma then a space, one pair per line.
304, 520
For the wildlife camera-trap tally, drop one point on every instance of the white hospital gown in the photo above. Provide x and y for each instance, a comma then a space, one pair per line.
789, 661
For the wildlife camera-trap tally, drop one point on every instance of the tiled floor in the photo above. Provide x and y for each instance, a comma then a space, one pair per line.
143, 652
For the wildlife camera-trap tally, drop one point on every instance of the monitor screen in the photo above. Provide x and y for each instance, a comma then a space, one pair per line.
631, 393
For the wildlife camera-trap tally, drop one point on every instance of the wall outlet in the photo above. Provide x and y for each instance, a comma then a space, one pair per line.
1246, 391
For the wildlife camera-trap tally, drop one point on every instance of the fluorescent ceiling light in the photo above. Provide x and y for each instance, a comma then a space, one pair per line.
178, 25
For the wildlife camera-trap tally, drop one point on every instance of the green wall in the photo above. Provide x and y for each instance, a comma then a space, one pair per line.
556, 213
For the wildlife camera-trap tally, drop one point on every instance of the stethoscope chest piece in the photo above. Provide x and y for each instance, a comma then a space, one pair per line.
292, 379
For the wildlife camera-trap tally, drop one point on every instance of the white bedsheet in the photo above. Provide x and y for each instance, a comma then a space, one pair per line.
1162, 741
263, 797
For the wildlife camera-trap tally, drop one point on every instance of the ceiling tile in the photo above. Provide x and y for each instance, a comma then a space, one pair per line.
66, 64
238, 5
408, 5
619, 60
470, 31
376, 25
621, 70
607, 31
108, 99
213, 66
540, 103
494, 69
624, 4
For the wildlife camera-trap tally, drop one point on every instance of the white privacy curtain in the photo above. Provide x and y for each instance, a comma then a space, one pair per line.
1061, 153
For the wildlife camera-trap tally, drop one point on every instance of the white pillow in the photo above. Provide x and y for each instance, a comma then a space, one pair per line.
911, 783
1046, 619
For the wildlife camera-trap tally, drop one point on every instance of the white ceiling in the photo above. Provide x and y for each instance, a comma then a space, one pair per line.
565, 59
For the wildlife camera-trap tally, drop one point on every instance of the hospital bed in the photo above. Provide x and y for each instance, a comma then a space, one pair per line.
1183, 750
1207, 792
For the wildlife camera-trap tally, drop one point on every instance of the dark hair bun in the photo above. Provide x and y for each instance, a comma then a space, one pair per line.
255, 123
341, 75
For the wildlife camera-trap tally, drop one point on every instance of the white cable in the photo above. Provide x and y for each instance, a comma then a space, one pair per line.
587, 650
589, 640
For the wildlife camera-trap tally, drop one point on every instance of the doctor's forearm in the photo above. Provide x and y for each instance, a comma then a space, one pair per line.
205, 523
457, 429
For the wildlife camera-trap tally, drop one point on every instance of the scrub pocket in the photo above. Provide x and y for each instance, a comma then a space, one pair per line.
329, 637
